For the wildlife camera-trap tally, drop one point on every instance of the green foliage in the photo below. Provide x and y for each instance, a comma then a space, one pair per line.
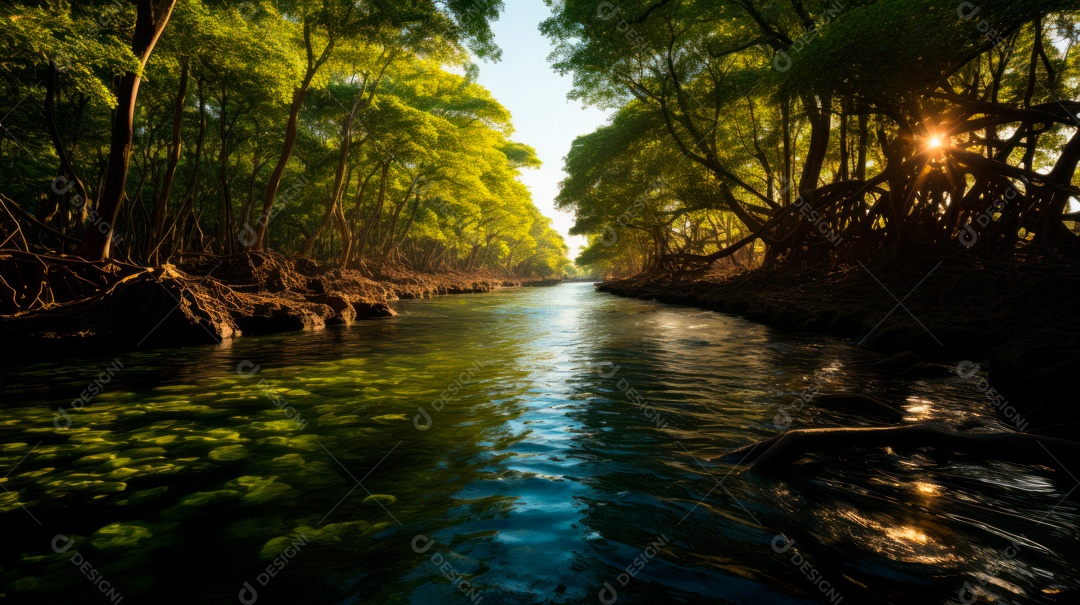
389, 81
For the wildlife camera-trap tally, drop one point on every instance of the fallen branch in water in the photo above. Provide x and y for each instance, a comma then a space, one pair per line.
779, 452
859, 404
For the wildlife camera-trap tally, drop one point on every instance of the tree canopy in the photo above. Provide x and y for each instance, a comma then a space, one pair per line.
821, 133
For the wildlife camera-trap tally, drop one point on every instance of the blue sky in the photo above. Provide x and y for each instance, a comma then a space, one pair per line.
524, 83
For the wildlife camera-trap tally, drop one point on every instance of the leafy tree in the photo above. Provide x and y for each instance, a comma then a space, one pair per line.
830, 139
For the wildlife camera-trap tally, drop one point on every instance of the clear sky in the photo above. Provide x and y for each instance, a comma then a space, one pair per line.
524, 83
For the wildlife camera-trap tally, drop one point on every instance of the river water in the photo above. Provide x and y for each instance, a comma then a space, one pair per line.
551, 445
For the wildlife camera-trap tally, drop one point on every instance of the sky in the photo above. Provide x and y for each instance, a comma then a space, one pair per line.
525, 84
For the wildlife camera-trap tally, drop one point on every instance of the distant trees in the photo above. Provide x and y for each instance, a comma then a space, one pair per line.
349, 131
822, 133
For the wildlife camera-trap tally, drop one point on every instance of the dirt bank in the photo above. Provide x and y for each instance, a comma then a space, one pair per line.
1020, 321
52, 306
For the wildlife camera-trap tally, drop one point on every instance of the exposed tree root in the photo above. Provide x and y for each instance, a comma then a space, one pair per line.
57, 305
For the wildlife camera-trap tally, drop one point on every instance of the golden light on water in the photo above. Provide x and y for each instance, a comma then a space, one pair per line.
927, 489
917, 408
897, 539
906, 534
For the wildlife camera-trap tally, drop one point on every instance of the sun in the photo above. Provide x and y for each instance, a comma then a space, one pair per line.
935, 140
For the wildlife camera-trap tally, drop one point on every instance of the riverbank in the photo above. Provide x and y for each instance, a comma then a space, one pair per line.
1017, 320
53, 306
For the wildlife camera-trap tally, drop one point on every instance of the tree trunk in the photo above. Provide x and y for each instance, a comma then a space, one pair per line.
785, 120
151, 19
226, 228
279, 169
864, 139
343, 225
161, 204
340, 178
58, 144
392, 229
187, 207
299, 94
346, 246
845, 153
405, 231
820, 129
374, 213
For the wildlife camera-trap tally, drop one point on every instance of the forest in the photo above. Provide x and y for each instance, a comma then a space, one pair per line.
349, 133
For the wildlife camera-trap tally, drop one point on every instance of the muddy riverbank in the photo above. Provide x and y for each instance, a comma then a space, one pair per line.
52, 306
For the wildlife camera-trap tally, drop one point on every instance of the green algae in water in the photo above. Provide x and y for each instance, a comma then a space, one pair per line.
145, 496
228, 453
347, 535
305, 442
95, 458
10, 501
330, 420
144, 452
121, 474
133, 535
258, 490
258, 527
387, 418
294, 461
200, 502
274, 426
70, 484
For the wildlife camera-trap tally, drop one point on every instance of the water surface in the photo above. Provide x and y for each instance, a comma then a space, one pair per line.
564, 453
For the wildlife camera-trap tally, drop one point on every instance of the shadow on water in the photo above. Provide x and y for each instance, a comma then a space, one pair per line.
535, 446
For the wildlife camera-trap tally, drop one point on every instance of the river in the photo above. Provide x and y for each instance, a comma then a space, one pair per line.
548, 445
